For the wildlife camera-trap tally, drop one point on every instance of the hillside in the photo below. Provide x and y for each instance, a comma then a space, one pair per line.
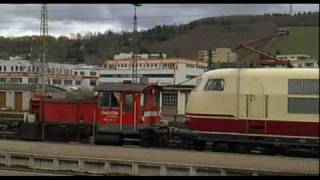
302, 40
175, 40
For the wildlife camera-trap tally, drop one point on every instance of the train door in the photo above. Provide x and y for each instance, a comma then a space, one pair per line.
109, 114
18, 101
2, 99
128, 119
256, 108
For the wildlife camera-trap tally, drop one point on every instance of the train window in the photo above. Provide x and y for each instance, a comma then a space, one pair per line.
303, 86
214, 85
128, 106
155, 98
303, 105
115, 98
104, 99
108, 99
142, 99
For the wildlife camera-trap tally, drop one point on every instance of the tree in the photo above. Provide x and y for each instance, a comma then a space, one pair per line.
75, 53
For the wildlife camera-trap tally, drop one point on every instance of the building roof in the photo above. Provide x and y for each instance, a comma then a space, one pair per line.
178, 87
118, 87
29, 87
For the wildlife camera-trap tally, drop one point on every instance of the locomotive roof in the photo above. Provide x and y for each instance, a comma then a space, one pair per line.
268, 72
119, 87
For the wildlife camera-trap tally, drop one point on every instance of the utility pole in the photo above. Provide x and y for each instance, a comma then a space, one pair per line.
209, 60
43, 41
135, 46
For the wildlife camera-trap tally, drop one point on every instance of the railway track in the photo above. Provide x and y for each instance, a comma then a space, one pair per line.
176, 145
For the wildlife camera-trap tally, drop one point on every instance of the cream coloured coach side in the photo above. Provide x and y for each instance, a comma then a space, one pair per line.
263, 94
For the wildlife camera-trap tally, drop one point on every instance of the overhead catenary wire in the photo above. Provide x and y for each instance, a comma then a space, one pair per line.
116, 17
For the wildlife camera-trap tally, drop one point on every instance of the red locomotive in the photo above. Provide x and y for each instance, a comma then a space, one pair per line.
120, 110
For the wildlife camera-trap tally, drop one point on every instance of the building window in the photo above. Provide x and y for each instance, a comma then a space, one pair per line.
67, 82
16, 80
17, 68
32, 80
0, 68
4, 68
93, 82
57, 81
81, 73
76, 73
169, 100
2, 80
308, 64
78, 83
303, 86
21, 68
158, 75
12, 68
92, 73
190, 76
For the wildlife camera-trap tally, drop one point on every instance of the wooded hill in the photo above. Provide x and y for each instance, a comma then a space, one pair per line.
175, 40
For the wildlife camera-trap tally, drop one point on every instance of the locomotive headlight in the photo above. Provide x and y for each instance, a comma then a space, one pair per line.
142, 118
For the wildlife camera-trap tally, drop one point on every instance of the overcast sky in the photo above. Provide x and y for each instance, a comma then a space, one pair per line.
64, 19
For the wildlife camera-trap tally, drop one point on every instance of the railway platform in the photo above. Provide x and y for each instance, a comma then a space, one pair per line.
100, 160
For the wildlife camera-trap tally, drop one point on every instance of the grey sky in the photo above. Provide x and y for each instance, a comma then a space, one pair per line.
64, 19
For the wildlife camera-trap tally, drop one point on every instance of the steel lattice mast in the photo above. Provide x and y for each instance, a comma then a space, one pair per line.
135, 46
43, 42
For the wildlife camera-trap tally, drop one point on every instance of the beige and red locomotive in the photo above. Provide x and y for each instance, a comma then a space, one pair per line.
270, 106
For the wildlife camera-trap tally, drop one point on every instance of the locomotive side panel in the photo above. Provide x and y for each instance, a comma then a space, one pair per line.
86, 113
59, 112
68, 111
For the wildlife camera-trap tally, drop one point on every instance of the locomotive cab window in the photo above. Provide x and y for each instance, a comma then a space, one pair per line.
128, 105
214, 85
109, 100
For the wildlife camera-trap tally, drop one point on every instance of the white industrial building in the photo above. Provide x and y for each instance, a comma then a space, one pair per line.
299, 60
161, 71
126, 56
61, 75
